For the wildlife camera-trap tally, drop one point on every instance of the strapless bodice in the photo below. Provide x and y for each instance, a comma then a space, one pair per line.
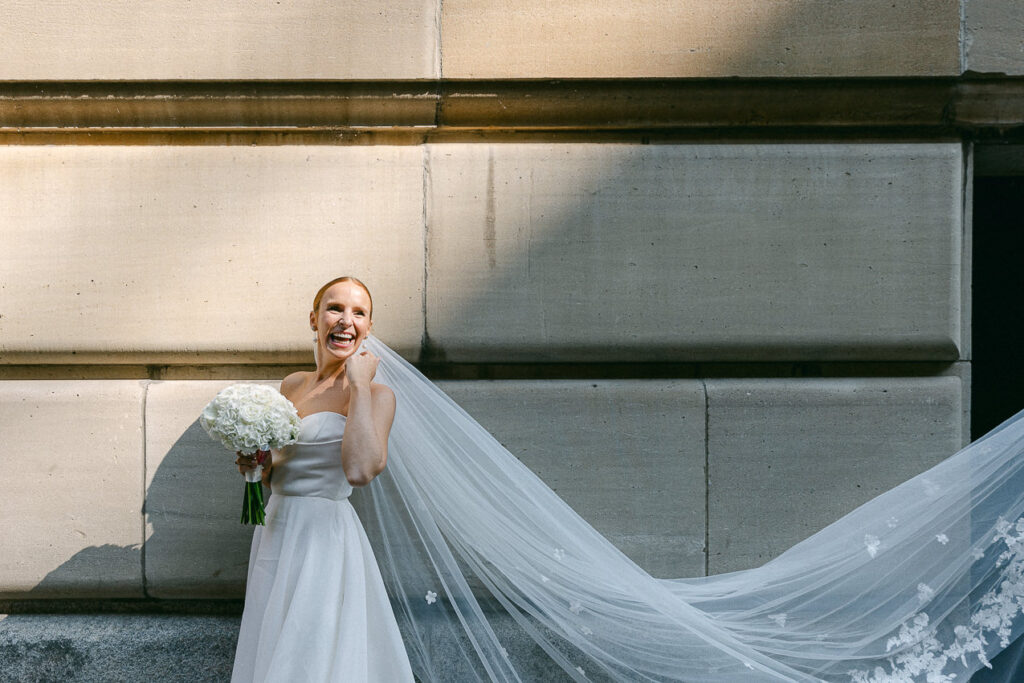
312, 466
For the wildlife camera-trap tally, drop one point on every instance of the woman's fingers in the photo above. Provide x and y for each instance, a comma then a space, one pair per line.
362, 367
245, 463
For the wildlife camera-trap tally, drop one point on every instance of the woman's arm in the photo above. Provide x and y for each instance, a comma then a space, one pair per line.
364, 449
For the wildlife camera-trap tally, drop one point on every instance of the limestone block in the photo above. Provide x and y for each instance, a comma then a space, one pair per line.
788, 457
71, 457
201, 254
635, 472
694, 252
230, 39
195, 546
994, 40
626, 455
646, 38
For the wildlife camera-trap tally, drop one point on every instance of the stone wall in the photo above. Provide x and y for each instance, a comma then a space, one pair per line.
705, 268
197, 258
425, 39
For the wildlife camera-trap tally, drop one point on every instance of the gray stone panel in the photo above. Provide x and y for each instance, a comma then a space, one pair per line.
128, 647
788, 457
116, 647
994, 40
626, 455
71, 456
694, 252
195, 546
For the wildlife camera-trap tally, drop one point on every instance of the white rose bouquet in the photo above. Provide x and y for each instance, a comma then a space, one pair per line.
251, 418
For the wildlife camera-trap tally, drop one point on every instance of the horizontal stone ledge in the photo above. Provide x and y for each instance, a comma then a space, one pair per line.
721, 355
924, 105
502, 371
164, 358
216, 104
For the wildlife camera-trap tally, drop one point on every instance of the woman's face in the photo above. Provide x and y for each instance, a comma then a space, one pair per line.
342, 321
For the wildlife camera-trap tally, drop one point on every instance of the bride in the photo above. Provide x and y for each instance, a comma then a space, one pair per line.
315, 605
923, 583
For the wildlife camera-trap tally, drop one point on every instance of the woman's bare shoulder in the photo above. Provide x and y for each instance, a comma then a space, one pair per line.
292, 382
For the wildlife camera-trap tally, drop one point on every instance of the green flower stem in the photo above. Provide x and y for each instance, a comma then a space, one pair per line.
252, 504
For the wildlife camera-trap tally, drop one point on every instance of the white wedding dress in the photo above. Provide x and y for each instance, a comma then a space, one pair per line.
315, 606
923, 583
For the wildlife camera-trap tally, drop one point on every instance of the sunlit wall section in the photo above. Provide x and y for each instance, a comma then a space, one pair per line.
204, 254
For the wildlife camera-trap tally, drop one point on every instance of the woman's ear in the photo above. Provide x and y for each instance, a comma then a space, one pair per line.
312, 320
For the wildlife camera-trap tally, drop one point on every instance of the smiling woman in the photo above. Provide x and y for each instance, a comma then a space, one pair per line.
337, 329
315, 604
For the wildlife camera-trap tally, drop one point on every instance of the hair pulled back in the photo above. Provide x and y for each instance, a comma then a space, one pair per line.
344, 278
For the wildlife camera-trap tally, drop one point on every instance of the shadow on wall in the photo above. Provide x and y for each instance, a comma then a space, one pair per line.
192, 505
195, 547
638, 253
560, 244
680, 252
624, 253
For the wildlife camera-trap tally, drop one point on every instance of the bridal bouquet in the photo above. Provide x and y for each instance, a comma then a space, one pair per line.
251, 418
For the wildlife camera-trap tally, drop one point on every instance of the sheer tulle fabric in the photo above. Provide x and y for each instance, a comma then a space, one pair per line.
922, 583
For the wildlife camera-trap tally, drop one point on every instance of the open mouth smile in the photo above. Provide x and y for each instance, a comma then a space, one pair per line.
340, 340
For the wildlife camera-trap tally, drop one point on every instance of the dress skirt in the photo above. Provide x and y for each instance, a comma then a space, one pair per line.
315, 605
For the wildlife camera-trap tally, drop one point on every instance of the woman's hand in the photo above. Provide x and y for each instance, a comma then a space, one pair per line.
361, 368
247, 463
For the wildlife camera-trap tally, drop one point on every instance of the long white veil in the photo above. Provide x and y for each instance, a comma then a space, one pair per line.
925, 582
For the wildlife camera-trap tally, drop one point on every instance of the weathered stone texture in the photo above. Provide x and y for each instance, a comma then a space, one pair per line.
201, 254
116, 647
627, 455
626, 38
785, 458
195, 546
994, 36
71, 507
229, 39
788, 457
694, 252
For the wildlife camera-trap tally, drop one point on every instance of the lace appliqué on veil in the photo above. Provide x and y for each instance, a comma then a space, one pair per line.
926, 656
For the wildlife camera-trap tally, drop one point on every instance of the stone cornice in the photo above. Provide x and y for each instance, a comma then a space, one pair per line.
974, 106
